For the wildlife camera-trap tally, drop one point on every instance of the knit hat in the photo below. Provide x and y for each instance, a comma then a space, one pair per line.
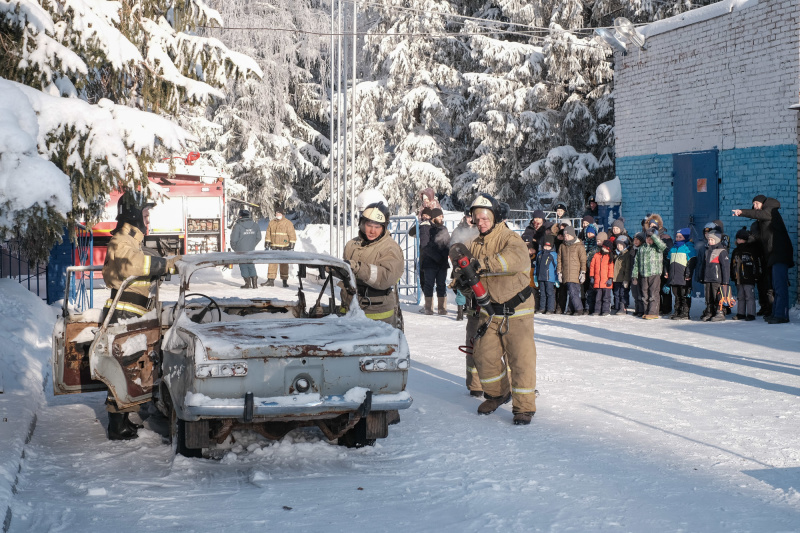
714, 236
619, 223
608, 244
640, 237
760, 198
569, 230
562, 207
588, 218
623, 240
743, 234
602, 236
538, 214
435, 212
549, 239
591, 228
686, 232
427, 211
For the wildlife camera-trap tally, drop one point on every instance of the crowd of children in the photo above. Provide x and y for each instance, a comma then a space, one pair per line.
597, 272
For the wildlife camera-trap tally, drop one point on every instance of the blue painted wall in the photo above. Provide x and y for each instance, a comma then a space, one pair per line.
745, 172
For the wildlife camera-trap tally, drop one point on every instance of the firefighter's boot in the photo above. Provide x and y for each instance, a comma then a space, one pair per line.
523, 419
131, 424
119, 428
428, 309
491, 403
442, 305
268, 283
246, 285
286, 283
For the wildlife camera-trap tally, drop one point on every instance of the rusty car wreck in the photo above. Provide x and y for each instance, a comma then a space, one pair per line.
215, 364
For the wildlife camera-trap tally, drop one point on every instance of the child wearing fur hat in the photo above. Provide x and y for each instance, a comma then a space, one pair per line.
682, 259
571, 268
622, 274
601, 276
647, 269
547, 276
746, 268
714, 274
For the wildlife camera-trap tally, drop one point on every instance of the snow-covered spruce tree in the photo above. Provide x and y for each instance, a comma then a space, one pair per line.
99, 77
269, 130
423, 98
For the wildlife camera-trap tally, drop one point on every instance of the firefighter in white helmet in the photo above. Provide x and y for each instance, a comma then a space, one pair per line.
377, 263
507, 325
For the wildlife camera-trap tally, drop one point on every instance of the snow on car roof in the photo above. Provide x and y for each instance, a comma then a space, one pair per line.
266, 256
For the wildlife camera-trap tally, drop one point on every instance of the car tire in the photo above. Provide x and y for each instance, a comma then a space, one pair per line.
357, 436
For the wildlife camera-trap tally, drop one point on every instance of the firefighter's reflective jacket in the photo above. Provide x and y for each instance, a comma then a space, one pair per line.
377, 266
280, 234
124, 258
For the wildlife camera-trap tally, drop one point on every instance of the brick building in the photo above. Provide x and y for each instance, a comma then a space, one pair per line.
704, 120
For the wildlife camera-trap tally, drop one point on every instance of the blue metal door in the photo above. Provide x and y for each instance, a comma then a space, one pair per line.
696, 195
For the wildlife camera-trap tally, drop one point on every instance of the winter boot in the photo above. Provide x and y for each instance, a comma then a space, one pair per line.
460, 315
268, 283
118, 428
739, 317
719, 317
286, 283
750, 318
131, 424
428, 309
254, 282
523, 419
442, 305
246, 285
491, 403
476, 393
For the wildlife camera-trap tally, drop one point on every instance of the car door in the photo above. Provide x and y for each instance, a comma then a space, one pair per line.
127, 356
72, 336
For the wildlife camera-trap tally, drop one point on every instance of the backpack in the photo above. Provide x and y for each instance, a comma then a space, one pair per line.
749, 268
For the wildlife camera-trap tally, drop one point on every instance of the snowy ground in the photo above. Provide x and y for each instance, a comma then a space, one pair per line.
641, 426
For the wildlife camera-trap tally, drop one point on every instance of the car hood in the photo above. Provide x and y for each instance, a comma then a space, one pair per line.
296, 337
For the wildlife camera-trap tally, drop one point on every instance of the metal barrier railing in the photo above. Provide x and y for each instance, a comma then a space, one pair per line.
14, 264
79, 294
399, 228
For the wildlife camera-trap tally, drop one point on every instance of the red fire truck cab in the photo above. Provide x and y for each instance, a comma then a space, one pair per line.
188, 219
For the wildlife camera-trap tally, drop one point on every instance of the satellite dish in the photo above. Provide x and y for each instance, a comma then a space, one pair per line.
626, 28
611, 40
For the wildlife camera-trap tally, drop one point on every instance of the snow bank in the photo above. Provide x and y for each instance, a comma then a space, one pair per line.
696, 15
26, 324
609, 193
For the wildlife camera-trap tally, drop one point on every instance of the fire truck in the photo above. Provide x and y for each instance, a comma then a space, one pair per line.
189, 218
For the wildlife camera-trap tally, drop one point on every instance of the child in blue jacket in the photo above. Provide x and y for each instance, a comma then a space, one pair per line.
682, 259
545, 273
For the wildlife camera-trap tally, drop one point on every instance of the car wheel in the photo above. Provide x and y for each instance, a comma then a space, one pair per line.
357, 436
177, 436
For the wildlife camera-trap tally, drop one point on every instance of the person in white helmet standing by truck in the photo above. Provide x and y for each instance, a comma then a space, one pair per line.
500, 259
377, 264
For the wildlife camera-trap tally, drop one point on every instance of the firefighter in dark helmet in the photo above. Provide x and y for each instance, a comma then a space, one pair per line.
377, 263
126, 256
504, 268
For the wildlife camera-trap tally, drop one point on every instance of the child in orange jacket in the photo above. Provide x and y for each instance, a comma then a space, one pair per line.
601, 276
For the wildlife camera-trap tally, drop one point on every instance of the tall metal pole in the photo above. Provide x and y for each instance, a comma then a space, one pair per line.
331, 58
353, 213
339, 133
345, 211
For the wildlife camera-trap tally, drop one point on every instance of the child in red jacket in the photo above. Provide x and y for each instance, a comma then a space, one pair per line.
601, 276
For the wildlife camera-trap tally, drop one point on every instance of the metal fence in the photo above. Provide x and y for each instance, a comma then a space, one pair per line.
15, 264
399, 228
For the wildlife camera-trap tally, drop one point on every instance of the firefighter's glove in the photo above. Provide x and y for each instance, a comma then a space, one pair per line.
609, 283
291, 246
581, 277
171, 263
560, 278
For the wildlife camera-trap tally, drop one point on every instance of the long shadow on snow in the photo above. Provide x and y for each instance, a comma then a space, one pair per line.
681, 349
665, 361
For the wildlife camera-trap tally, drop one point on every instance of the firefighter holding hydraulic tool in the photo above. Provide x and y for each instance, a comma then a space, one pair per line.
496, 268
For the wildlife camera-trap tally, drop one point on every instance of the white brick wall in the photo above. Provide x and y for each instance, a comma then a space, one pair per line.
725, 82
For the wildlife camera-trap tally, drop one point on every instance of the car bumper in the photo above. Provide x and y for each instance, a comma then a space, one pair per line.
304, 406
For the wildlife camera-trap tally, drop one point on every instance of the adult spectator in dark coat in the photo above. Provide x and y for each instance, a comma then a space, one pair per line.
434, 246
766, 296
536, 229
778, 251
591, 208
